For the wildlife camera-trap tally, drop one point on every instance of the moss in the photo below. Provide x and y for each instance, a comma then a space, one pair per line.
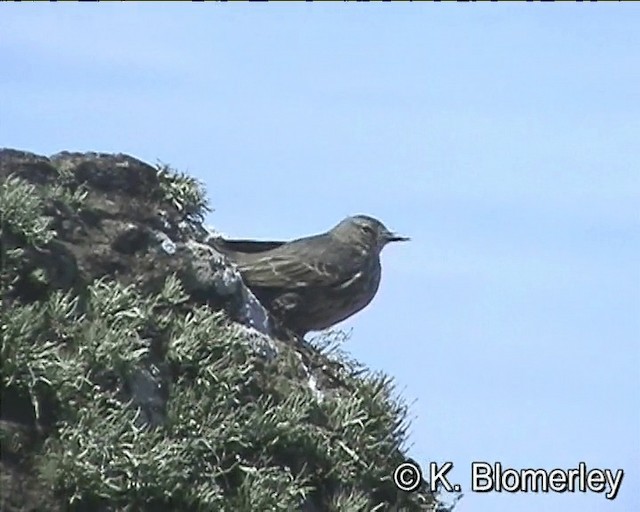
236, 431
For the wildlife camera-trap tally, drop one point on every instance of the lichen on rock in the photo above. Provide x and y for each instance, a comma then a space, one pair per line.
140, 373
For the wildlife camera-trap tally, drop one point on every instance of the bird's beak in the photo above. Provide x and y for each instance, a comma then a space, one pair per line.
395, 237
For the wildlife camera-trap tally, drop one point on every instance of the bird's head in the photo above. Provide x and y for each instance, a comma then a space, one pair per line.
366, 232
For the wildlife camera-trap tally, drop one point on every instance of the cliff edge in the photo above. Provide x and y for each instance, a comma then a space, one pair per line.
139, 373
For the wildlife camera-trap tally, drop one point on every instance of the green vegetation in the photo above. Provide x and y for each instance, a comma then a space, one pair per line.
239, 433
185, 193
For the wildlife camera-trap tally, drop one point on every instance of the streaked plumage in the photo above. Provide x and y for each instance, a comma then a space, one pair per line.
312, 283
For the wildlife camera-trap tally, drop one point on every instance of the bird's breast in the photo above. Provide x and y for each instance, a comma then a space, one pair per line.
362, 286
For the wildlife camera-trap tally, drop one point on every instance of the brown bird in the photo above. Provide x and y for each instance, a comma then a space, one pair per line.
312, 283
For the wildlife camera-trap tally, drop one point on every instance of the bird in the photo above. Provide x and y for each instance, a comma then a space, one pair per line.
312, 283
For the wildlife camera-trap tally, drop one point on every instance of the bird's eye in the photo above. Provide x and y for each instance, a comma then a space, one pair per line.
367, 229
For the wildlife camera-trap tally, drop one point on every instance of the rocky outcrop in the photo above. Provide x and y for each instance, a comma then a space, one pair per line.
99, 245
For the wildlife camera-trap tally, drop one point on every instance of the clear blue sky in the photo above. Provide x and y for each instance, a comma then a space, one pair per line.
504, 139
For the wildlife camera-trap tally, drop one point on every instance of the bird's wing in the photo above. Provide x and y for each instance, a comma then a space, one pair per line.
289, 268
